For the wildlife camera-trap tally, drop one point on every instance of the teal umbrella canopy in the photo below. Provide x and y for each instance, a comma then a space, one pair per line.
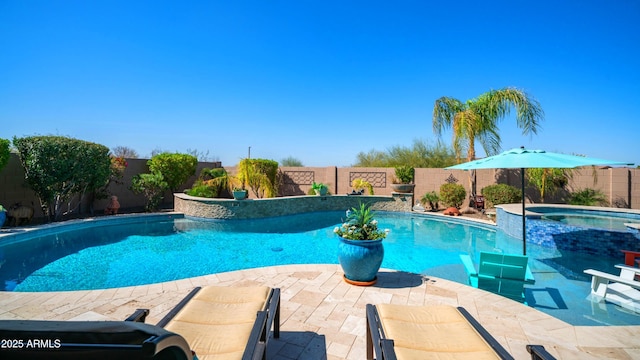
521, 158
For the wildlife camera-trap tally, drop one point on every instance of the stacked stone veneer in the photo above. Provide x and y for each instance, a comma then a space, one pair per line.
261, 208
567, 237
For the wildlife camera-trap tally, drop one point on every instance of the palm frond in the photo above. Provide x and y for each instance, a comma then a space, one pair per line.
529, 113
444, 110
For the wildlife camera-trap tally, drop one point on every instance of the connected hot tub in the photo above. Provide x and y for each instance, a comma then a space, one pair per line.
586, 229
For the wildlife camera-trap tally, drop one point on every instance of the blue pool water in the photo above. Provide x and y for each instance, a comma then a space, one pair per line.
155, 251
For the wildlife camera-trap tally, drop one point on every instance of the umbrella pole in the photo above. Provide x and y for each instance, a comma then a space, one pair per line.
524, 229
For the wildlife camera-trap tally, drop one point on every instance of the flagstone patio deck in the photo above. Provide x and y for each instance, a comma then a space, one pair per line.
324, 318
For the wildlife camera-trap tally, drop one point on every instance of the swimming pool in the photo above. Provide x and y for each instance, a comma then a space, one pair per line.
161, 249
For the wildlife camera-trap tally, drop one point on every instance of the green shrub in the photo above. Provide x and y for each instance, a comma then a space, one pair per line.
203, 190
453, 194
58, 168
4, 152
319, 188
208, 174
152, 186
174, 168
432, 199
210, 183
588, 197
501, 194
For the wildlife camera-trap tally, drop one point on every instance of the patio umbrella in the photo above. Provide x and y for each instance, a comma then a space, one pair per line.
521, 158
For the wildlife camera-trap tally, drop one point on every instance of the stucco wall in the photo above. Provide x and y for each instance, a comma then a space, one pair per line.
621, 185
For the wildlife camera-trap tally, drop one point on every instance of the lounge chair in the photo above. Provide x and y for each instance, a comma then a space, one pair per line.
622, 289
425, 332
108, 340
503, 274
225, 322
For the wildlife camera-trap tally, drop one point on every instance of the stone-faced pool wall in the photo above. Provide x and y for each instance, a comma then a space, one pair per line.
561, 236
261, 208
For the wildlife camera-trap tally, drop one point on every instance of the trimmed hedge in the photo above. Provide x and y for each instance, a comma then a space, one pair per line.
452, 195
58, 168
501, 194
175, 169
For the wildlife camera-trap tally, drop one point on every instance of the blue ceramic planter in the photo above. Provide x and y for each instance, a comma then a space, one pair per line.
360, 259
3, 217
240, 194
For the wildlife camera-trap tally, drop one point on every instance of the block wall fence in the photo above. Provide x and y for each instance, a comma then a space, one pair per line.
620, 185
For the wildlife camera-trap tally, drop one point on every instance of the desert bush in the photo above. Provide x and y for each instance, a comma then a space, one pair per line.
452, 195
588, 197
291, 161
501, 194
420, 155
152, 186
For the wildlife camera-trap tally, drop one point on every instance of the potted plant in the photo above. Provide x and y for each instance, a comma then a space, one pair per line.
432, 199
3, 215
403, 181
239, 193
360, 251
359, 185
319, 188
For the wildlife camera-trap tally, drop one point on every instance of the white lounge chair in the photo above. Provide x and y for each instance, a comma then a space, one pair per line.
621, 289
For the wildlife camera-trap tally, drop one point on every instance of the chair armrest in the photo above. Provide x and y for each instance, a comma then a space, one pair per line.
528, 277
610, 277
490, 340
628, 268
140, 315
272, 307
173, 312
636, 253
538, 352
256, 345
377, 342
628, 272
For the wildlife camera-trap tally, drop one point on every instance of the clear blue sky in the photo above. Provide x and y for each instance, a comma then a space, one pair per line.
316, 80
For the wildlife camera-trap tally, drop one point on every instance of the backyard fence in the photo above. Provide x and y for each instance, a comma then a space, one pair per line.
620, 185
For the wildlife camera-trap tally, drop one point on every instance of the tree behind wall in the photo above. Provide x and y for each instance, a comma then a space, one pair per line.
174, 168
58, 168
548, 181
420, 155
4, 152
260, 175
124, 152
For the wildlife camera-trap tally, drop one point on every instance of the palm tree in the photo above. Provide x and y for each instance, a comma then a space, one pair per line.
477, 119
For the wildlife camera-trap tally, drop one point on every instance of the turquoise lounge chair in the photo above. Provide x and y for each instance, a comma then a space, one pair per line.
502, 274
